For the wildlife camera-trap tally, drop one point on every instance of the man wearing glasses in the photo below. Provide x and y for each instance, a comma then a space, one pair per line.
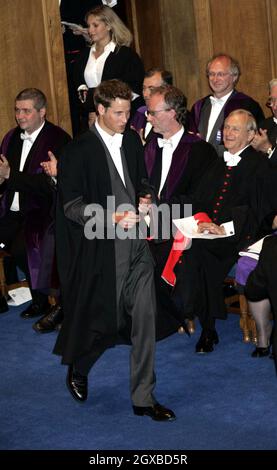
209, 113
265, 140
175, 161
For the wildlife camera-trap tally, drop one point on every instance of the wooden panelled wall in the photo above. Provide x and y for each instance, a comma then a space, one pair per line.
32, 56
193, 30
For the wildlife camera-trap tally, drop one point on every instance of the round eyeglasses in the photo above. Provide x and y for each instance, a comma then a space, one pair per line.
149, 112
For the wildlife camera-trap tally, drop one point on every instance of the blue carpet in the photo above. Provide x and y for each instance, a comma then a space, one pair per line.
224, 400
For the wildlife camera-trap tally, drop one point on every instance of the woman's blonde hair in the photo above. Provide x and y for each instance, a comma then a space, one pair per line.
120, 34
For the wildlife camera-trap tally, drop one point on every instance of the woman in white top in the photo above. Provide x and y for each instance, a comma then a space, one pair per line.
109, 57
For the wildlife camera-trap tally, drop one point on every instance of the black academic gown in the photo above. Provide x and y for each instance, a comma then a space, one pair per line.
225, 194
87, 267
37, 196
123, 64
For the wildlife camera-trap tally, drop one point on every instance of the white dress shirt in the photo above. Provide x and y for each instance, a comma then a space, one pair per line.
94, 68
113, 143
217, 105
26, 147
147, 129
169, 145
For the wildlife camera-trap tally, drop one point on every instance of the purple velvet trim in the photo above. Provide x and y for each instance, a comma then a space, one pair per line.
38, 236
139, 120
6, 141
234, 102
195, 115
3, 150
244, 267
150, 151
179, 159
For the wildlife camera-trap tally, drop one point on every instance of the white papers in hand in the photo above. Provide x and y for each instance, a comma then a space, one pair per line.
188, 227
75, 26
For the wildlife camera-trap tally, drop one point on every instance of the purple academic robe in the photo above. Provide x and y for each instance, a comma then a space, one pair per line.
190, 160
237, 100
37, 194
139, 120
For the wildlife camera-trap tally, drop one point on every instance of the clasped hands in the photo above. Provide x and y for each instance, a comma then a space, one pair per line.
128, 219
210, 227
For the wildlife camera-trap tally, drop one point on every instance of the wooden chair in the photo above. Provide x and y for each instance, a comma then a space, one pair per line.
238, 304
3, 284
4, 288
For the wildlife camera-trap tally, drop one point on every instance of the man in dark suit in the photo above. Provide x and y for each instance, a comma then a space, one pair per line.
26, 208
105, 269
153, 78
228, 195
175, 164
265, 140
208, 114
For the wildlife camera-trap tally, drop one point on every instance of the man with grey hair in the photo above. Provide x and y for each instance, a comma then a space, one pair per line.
265, 140
175, 164
208, 114
228, 195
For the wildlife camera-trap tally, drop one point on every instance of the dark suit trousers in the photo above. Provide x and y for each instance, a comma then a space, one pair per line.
136, 296
261, 283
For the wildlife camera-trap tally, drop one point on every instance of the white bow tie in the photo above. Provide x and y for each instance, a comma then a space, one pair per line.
231, 159
275, 120
215, 100
26, 137
116, 140
163, 142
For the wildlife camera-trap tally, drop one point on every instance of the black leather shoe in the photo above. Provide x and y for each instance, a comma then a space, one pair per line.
156, 412
261, 352
77, 384
51, 321
3, 304
34, 310
206, 341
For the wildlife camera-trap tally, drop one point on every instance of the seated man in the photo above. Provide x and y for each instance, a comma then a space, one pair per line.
228, 194
26, 207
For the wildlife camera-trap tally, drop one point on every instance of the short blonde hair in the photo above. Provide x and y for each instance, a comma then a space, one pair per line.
120, 34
